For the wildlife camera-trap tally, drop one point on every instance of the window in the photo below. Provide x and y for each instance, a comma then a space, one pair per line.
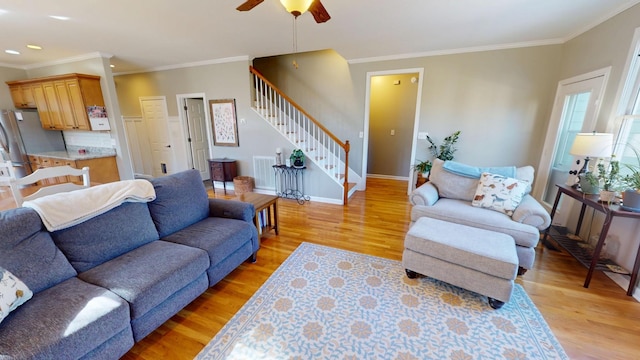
628, 138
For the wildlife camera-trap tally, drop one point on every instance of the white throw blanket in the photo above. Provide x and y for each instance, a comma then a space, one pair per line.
63, 210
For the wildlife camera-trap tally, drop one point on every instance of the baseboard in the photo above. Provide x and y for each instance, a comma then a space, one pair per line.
387, 177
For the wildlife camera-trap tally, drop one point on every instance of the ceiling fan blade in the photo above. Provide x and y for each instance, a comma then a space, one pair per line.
319, 12
248, 5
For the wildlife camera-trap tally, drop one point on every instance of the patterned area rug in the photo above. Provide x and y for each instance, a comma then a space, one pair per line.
325, 303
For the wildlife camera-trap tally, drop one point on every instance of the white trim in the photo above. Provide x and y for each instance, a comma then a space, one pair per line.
457, 51
623, 282
367, 104
187, 65
387, 177
626, 85
553, 129
602, 19
93, 55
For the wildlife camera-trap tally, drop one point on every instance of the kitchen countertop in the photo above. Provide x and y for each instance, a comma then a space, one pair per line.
75, 155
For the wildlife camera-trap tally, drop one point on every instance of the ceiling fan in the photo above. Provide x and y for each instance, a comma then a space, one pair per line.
296, 8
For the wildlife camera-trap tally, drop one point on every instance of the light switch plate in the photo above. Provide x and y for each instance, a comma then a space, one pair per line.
423, 135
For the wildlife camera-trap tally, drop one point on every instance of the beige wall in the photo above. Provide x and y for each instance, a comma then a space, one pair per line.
8, 74
392, 108
606, 45
500, 100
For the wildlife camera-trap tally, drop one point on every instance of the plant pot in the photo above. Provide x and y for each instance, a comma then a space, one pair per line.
587, 188
421, 179
607, 196
631, 200
297, 163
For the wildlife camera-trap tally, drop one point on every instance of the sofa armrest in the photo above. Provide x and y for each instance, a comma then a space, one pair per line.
427, 195
232, 209
531, 212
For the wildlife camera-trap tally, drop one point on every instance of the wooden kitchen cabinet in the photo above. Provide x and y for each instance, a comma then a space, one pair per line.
62, 100
101, 170
22, 96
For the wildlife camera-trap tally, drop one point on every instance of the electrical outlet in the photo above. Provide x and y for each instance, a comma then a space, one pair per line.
423, 135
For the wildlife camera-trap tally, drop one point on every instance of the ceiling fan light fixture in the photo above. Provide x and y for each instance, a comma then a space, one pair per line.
296, 7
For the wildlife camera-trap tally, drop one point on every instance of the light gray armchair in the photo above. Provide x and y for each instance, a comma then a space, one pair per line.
448, 196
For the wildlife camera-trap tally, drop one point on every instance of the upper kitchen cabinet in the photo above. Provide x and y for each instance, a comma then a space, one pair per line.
62, 101
22, 96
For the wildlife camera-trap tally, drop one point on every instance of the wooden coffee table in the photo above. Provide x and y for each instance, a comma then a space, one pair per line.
263, 202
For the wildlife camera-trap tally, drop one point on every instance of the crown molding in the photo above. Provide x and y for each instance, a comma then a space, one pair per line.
458, 51
187, 65
93, 55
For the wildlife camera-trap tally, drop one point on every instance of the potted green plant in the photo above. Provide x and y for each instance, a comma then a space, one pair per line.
444, 152
631, 196
609, 178
297, 158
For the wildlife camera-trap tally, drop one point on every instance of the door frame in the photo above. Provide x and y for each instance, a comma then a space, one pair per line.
180, 99
367, 105
553, 129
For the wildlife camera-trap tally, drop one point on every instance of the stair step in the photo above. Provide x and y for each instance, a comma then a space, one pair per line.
319, 158
329, 167
299, 141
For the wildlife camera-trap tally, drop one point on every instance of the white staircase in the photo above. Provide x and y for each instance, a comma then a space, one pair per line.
318, 144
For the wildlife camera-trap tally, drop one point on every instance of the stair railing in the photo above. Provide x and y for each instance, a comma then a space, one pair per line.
303, 129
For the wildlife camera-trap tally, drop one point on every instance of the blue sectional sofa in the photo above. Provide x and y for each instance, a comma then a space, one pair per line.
103, 284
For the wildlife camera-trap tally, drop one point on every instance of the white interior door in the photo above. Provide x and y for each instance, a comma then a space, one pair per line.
154, 112
575, 110
197, 136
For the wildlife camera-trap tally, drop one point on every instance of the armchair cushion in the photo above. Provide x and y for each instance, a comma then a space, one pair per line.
454, 186
499, 193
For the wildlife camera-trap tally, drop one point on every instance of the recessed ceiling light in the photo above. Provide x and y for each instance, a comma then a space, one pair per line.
12, 52
59, 17
112, 65
34, 47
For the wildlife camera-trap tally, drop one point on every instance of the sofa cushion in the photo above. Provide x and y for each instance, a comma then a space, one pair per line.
181, 200
455, 186
13, 293
499, 193
29, 253
106, 236
219, 237
461, 212
66, 321
148, 275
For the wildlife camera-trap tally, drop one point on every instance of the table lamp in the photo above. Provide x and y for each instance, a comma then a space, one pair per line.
591, 145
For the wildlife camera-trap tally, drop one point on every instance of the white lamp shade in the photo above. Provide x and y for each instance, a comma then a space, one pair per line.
296, 7
595, 145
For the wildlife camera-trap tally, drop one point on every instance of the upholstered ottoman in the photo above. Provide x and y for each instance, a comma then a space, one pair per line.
475, 259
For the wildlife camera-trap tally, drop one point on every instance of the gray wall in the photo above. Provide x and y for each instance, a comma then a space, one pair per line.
221, 81
8, 74
500, 100
608, 44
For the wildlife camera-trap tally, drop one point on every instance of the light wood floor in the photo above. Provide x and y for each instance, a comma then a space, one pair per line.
600, 322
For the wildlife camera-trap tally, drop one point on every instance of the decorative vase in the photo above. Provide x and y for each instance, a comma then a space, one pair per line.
607, 196
587, 188
631, 200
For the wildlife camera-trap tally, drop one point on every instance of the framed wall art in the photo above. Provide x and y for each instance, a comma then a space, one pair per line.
224, 122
